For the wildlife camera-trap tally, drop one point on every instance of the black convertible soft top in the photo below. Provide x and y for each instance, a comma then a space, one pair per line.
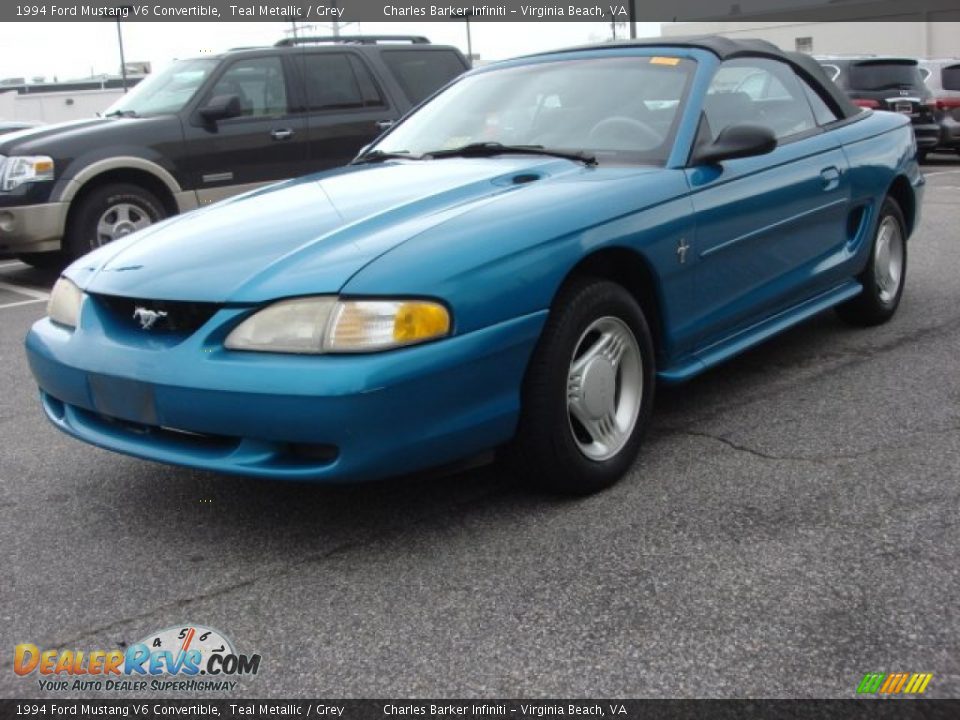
726, 48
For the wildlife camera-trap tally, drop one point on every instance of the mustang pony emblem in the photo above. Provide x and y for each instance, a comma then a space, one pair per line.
148, 318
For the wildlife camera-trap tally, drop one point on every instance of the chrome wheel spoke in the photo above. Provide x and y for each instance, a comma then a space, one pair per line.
119, 220
888, 259
592, 352
604, 388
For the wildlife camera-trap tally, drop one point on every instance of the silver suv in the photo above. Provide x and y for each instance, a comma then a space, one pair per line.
942, 76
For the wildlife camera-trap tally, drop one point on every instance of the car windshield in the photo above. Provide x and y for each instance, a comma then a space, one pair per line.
885, 75
617, 110
167, 91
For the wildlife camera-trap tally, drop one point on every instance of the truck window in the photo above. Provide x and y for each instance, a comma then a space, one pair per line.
259, 84
421, 73
331, 82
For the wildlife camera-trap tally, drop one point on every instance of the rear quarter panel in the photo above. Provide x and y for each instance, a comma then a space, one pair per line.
880, 147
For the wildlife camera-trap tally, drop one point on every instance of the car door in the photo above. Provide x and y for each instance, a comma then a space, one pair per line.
265, 143
346, 107
769, 228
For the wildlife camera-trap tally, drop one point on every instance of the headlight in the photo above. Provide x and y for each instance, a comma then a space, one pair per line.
21, 169
64, 304
327, 325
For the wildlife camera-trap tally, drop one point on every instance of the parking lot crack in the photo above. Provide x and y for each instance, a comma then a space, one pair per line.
817, 458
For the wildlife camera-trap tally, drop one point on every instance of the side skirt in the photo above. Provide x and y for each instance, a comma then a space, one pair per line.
723, 350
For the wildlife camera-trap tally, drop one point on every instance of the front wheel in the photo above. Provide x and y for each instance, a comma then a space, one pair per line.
108, 213
883, 278
588, 392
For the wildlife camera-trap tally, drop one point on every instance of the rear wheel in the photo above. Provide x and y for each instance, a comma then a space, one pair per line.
883, 278
109, 213
588, 392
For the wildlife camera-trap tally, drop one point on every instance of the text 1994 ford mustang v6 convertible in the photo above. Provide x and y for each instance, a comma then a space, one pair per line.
512, 266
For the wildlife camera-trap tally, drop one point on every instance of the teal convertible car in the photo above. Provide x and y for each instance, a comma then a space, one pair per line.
512, 267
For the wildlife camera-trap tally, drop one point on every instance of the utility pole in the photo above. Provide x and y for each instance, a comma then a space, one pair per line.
123, 59
633, 19
465, 15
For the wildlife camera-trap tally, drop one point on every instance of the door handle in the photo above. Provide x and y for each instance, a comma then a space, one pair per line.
385, 124
282, 134
831, 178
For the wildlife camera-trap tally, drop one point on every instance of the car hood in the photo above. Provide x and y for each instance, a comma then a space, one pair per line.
41, 138
309, 235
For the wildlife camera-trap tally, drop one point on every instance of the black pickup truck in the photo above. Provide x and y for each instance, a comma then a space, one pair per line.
204, 129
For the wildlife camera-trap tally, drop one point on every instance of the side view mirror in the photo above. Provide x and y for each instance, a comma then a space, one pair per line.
736, 141
221, 107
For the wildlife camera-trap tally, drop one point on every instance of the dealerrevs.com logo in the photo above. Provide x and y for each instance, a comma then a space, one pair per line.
184, 658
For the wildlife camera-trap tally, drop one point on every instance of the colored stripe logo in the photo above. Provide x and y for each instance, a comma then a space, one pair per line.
894, 683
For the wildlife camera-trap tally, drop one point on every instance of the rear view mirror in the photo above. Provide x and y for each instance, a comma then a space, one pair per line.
221, 107
736, 141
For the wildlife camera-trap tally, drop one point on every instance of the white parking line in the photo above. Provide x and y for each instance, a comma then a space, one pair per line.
21, 302
12, 263
28, 291
929, 173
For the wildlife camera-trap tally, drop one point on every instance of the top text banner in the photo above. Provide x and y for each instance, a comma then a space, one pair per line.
327, 11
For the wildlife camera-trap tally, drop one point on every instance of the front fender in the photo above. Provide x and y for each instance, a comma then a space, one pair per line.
508, 258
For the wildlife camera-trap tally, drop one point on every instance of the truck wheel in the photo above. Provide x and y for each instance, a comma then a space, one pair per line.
883, 278
109, 213
588, 391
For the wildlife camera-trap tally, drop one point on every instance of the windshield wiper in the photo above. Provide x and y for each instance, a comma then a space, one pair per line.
489, 149
375, 156
123, 113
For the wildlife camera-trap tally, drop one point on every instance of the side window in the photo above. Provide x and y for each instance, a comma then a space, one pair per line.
420, 73
259, 84
757, 90
368, 87
331, 83
821, 111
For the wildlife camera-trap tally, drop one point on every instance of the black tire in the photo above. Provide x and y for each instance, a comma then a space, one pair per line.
870, 307
44, 261
82, 235
545, 451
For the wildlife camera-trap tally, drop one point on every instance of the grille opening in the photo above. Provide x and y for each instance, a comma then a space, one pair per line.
174, 317
182, 437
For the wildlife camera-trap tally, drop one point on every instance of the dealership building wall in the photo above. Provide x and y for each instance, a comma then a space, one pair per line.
910, 37
51, 107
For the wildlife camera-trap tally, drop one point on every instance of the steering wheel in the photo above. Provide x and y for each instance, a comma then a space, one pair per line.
626, 133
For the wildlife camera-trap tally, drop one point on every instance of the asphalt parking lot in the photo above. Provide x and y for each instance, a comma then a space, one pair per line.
790, 526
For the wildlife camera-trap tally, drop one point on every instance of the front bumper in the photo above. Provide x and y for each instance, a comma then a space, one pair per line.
197, 404
32, 228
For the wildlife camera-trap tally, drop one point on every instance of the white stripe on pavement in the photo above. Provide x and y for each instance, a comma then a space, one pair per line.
29, 292
22, 302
